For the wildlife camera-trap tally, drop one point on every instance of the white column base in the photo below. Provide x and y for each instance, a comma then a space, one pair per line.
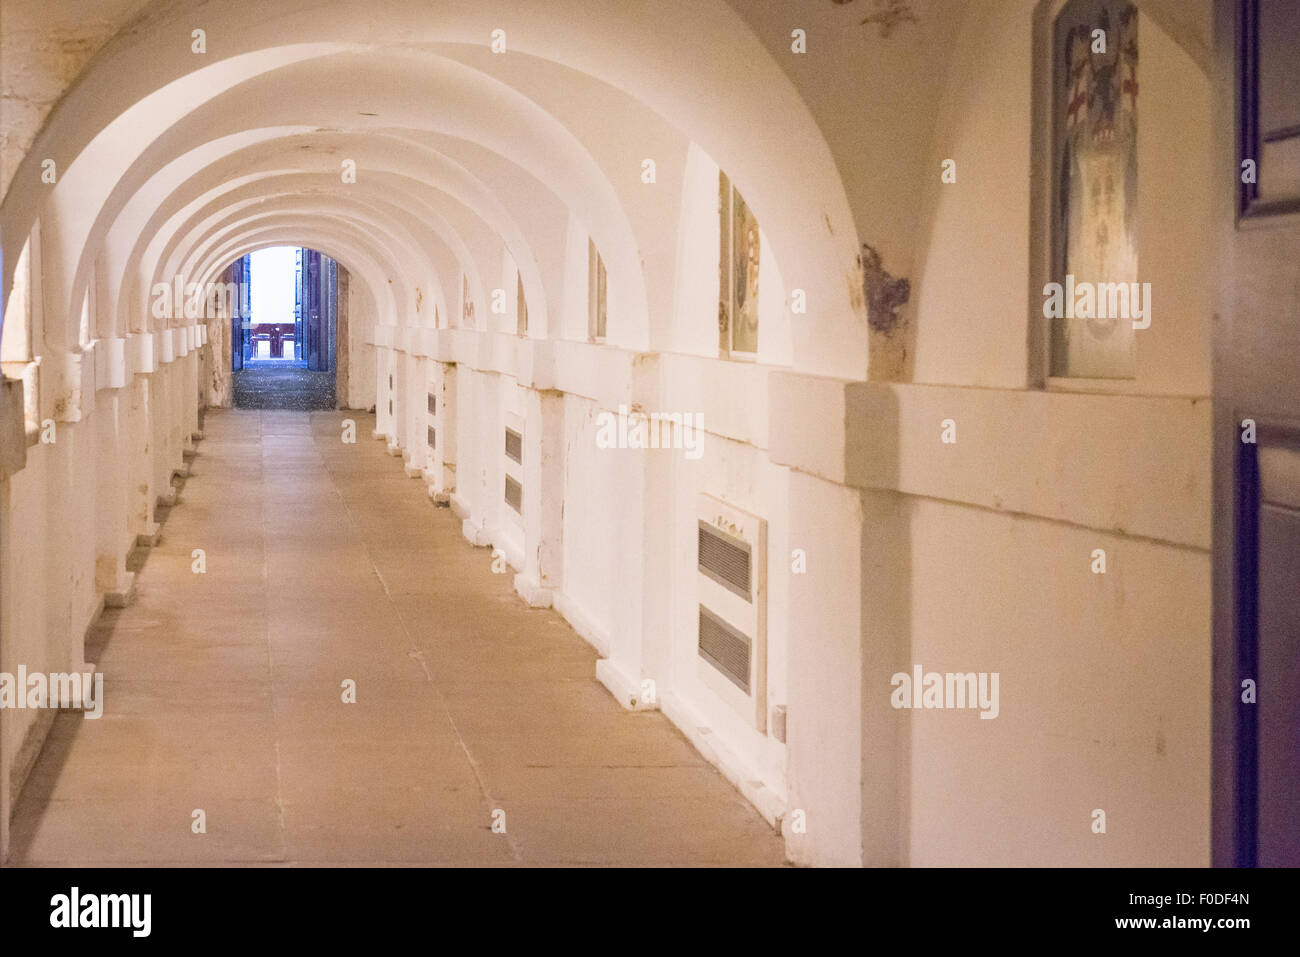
625, 689
532, 592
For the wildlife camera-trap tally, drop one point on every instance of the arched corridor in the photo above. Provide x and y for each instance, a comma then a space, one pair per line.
705, 457
225, 688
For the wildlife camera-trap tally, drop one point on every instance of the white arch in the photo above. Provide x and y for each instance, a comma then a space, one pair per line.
664, 62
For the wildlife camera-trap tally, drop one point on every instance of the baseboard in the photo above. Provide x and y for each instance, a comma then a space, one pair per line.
739, 773
25, 758
37, 733
500, 542
476, 535
580, 623
624, 687
121, 597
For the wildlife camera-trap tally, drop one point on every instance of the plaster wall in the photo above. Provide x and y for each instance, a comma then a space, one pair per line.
966, 557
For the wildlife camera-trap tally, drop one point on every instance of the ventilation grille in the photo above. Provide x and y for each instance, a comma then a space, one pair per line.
725, 559
433, 404
433, 438
514, 494
724, 648
514, 446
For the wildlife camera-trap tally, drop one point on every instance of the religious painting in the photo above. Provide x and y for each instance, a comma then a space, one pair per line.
597, 293
738, 259
744, 330
467, 307
1094, 227
724, 264
521, 325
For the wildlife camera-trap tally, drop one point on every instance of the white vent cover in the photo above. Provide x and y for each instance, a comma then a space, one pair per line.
514, 446
731, 583
514, 494
431, 421
513, 457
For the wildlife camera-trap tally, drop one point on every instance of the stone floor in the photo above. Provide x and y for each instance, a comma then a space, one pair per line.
223, 693
264, 385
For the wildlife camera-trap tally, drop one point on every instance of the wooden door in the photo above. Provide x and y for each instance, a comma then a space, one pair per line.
1256, 761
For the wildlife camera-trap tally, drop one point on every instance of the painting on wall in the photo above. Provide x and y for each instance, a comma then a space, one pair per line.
738, 257
597, 294
724, 264
521, 319
602, 298
1094, 220
467, 309
744, 334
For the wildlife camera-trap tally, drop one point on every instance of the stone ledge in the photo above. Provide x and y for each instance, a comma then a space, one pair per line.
13, 427
1132, 465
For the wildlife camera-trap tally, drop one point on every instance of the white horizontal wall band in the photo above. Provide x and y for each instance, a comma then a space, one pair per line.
13, 422
141, 353
604, 374
1025, 451
66, 385
1090, 460
110, 363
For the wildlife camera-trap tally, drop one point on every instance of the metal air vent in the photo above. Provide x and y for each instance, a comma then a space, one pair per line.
514, 494
514, 446
725, 648
726, 559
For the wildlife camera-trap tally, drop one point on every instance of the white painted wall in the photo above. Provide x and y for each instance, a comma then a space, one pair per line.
971, 557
